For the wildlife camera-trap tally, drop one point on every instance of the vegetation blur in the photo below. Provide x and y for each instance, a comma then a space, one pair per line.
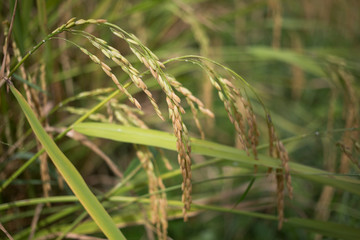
180, 119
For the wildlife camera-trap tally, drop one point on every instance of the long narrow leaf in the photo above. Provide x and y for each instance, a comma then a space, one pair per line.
166, 140
70, 174
330, 229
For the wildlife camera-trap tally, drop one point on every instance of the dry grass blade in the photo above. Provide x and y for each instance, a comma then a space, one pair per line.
38, 103
35, 220
6, 232
4, 65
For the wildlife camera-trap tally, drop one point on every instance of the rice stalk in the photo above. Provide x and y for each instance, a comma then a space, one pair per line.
280, 196
3, 229
126, 66
158, 203
35, 219
151, 61
276, 12
189, 15
298, 76
242, 116
352, 119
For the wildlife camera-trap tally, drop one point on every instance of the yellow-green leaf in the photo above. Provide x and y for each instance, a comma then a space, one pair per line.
70, 173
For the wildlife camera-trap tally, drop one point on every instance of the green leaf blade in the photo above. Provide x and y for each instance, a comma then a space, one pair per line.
166, 140
70, 174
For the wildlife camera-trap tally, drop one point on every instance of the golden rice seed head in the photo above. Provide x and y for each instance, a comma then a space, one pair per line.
68, 25
136, 103
115, 53
105, 66
182, 110
175, 98
152, 55
196, 119
124, 60
136, 52
196, 100
189, 175
165, 85
135, 80
59, 29
85, 51
176, 112
154, 73
169, 103
206, 112
121, 118
92, 21
184, 91
289, 187
117, 33
228, 92
135, 38
96, 44
221, 96
183, 173
178, 125
217, 86
71, 20
183, 187
132, 70
228, 111
160, 64
131, 41
101, 20
228, 83
185, 215
106, 53
158, 112
171, 115
285, 159
280, 196
94, 58
173, 81
188, 182
178, 147
145, 62
115, 60
102, 42
188, 170
110, 74
152, 63
80, 22
244, 102
117, 83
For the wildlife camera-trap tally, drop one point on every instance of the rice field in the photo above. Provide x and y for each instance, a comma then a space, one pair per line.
179, 119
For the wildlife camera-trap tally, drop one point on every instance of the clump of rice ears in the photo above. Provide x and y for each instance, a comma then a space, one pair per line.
167, 83
236, 103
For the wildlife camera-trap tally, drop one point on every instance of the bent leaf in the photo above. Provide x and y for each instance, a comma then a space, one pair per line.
70, 173
166, 140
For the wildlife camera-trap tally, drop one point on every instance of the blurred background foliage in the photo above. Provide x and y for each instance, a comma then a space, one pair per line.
301, 57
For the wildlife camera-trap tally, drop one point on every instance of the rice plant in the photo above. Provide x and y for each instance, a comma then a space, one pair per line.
131, 121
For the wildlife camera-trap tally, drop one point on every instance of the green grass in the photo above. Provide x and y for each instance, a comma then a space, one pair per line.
101, 114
